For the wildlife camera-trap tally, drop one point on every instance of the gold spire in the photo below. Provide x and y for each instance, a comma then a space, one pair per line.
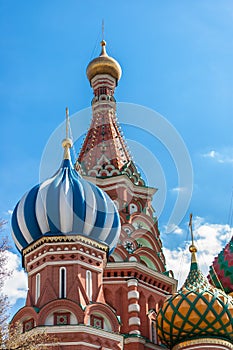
102, 29
192, 247
67, 142
103, 42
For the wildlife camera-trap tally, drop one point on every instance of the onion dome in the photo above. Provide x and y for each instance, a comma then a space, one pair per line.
65, 204
103, 64
221, 271
197, 310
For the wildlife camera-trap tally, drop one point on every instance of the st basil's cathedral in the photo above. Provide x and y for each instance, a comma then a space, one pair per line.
91, 247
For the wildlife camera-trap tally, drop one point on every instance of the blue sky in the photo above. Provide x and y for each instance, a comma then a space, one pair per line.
176, 58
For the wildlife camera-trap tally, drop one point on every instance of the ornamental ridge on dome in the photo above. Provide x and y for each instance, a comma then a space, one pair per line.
198, 310
65, 204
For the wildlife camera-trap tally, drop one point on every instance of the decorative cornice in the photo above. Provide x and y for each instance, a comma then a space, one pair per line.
82, 329
207, 341
63, 263
145, 270
65, 238
119, 180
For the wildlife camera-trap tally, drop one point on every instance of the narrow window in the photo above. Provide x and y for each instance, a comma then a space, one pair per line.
89, 284
62, 283
37, 287
153, 332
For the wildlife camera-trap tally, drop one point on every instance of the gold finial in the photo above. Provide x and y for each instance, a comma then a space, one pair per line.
192, 247
67, 142
103, 49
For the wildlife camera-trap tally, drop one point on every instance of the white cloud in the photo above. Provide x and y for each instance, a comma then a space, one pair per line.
173, 229
15, 286
209, 240
178, 230
225, 156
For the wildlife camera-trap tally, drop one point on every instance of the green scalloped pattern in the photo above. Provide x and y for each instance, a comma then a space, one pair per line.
197, 310
196, 279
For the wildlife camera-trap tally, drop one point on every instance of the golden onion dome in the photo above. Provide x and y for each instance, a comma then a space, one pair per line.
103, 64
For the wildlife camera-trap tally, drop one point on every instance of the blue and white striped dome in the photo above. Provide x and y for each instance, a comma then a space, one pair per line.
65, 204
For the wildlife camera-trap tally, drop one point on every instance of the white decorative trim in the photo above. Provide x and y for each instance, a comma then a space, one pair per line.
151, 289
64, 252
71, 244
37, 288
134, 321
81, 329
82, 343
133, 294
57, 263
96, 80
135, 332
123, 181
74, 239
135, 340
132, 282
204, 343
146, 270
89, 284
134, 308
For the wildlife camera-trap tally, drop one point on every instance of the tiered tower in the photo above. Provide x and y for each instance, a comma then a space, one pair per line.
104, 159
136, 271
80, 289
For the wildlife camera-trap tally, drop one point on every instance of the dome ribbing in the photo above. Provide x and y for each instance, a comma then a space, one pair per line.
65, 204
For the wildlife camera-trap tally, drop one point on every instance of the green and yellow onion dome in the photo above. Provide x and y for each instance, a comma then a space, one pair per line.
197, 310
104, 64
221, 271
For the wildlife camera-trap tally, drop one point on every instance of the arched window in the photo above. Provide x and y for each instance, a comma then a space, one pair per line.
89, 284
37, 291
62, 283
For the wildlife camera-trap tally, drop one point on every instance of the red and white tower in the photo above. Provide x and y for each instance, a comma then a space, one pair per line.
81, 290
135, 278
